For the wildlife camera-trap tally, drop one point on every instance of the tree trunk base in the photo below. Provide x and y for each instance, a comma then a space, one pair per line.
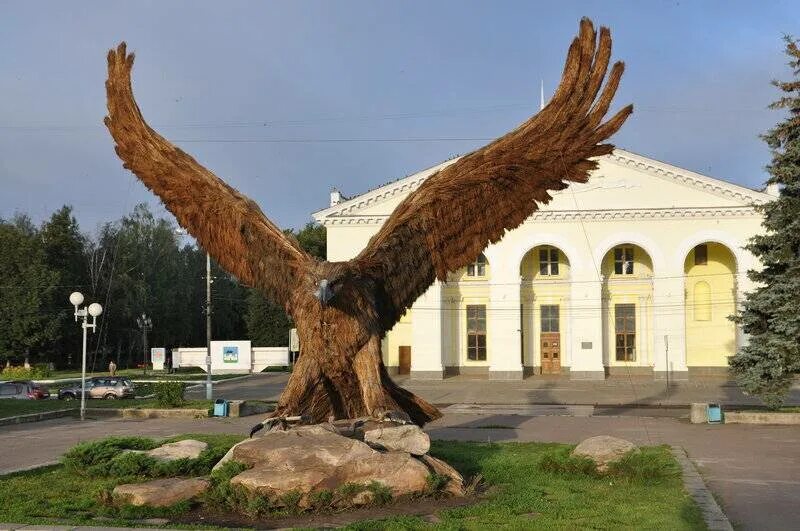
357, 387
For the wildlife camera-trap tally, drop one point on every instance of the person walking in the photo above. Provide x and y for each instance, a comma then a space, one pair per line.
112, 368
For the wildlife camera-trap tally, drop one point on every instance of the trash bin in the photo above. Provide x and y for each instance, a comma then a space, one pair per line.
714, 414
220, 407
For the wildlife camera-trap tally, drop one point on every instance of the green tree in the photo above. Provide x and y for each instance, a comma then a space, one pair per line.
766, 366
65, 252
267, 323
28, 324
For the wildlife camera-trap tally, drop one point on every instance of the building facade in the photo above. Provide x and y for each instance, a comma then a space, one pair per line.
634, 273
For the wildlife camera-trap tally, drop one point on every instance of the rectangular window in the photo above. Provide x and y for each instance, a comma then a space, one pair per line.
477, 268
476, 332
548, 261
550, 317
625, 331
623, 260
701, 255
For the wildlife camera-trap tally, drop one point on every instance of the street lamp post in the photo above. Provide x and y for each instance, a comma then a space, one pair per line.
145, 324
94, 310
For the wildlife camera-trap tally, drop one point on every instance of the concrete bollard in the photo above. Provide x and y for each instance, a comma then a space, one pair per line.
698, 413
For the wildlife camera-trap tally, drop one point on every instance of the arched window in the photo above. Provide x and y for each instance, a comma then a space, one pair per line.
702, 301
478, 267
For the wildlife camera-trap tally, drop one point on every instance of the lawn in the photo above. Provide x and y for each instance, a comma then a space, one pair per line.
521, 493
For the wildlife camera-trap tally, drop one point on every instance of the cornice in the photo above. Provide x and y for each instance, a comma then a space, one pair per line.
689, 178
555, 216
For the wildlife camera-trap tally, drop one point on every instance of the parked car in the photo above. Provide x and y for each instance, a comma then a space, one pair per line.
106, 387
23, 389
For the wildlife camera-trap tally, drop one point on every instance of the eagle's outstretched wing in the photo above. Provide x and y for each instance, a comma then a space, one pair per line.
455, 213
228, 225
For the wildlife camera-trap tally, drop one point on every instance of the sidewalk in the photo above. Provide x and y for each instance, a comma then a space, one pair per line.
622, 392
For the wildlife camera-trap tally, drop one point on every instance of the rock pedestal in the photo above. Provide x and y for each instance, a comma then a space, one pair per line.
310, 458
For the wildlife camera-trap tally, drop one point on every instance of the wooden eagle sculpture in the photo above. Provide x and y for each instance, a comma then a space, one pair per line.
342, 310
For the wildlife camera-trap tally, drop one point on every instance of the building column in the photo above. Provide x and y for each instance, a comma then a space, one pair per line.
587, 341
503, 328
669, 326
427, 335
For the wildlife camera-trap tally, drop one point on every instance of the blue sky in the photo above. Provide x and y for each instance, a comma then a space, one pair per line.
286, 99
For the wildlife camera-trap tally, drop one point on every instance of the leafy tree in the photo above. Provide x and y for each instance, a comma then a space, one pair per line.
767, 365
27, 323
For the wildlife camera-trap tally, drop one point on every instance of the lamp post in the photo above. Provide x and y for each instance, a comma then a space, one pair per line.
94, 310
145, 324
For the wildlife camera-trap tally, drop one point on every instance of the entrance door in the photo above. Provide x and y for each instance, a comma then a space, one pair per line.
405, 360
550, 344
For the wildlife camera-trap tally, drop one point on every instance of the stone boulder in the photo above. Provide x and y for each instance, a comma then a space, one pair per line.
406, 438
161, 492
311, 458
456, 484
603, 450
187, 448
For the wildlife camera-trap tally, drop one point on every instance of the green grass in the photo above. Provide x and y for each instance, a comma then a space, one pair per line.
523, 495
59, 494
11, 408
644, 492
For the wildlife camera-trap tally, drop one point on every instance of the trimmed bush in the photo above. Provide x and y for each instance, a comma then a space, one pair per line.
169, 394
21, 373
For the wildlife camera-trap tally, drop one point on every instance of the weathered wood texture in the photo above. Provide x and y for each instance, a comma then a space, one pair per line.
440, 227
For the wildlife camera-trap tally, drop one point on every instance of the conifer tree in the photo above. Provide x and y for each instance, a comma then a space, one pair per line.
767, 365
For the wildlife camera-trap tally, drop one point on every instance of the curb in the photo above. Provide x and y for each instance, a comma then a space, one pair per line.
693, 482
36, 417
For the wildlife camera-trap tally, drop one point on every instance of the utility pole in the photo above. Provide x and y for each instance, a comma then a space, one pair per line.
146, 324
208, 327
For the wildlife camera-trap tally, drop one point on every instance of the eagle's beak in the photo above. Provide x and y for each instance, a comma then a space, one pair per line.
323, 292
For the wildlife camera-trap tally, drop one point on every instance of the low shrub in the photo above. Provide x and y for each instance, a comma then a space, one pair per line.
108, 458
649, 463
169, 394
435, 484
320, 500
85, 457
559, 461
21, 373
381, 494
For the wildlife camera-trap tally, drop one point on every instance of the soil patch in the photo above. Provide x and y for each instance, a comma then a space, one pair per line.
422, 507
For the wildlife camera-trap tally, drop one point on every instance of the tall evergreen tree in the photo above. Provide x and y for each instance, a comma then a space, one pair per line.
65, 251
769, 362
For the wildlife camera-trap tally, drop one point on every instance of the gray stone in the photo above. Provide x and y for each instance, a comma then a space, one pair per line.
699, 413
405, 438
187, 448
603, 450
310, 458
161, 492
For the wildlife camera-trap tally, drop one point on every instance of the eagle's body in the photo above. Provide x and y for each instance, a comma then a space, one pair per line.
342, 310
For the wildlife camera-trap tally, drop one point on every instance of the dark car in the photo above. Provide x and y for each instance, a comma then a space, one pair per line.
23, 389
107, 387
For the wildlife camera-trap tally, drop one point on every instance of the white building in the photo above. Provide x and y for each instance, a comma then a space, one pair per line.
632, 273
